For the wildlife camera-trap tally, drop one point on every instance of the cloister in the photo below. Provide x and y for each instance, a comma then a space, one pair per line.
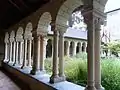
28, 43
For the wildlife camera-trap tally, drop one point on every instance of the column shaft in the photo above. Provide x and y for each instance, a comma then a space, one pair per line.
97, 58
10, 54
68, 48
55, 57
80, 48
41, 54
14, 51
24, 65
44, 51
74, 48
36, 55
21, 53
29, 52
16, 57
6, 52
61, 54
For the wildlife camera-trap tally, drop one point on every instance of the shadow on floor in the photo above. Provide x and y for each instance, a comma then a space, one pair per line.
22, 85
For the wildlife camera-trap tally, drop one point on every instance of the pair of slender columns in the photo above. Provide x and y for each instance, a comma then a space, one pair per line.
38, 62
17, 53
94, 70
58, 76
27, 50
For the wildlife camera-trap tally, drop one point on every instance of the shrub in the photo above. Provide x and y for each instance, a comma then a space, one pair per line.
76, 71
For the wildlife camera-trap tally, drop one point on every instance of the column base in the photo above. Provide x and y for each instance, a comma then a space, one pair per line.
36, 72
100, 88
10, 62
15, 64
56, 79
24, 67
90, 88
5, 60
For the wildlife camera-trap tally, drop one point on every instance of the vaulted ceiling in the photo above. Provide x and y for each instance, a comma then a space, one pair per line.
12, 11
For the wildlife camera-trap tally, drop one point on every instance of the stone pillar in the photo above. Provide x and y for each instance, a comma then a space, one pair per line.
6, 41
41, 54
6, 52
68, 49
52, 48
61, 55
54, 76
21, 53
89, 20
16, 57
14, 51
44, 49
36, 54
74, 48
85, 48
10, 56
24, 64
97, 55
29, 52
80, 47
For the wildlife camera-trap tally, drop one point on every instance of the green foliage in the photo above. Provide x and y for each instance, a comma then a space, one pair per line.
76, 71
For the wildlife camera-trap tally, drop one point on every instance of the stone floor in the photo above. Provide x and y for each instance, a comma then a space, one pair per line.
6, 83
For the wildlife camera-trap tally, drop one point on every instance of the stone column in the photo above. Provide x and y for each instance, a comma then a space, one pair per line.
21, 53
74, 48
10, 53
52, 48
6, 51
16, 57
85, 48
14, 51
68, 48
24, 64
61, 55
36, 54
80, 47
29, 52
89, 20
54, 76
41, 54
97, 56
44, 47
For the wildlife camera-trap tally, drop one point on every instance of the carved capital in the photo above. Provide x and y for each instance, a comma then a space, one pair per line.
93, 17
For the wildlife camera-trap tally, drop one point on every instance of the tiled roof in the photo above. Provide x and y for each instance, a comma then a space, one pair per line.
74, 33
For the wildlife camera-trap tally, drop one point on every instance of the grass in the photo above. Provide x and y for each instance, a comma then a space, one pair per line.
76, 70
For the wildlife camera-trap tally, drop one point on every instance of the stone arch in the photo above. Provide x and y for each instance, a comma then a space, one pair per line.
49, 48
29, 27
12, 34
78, 47
44, 22
65, 11
19, 32
6, 40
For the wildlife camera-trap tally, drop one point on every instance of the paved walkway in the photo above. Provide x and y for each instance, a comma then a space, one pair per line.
6, 83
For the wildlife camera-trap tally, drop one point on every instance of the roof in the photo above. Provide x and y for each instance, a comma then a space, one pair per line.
73, 33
